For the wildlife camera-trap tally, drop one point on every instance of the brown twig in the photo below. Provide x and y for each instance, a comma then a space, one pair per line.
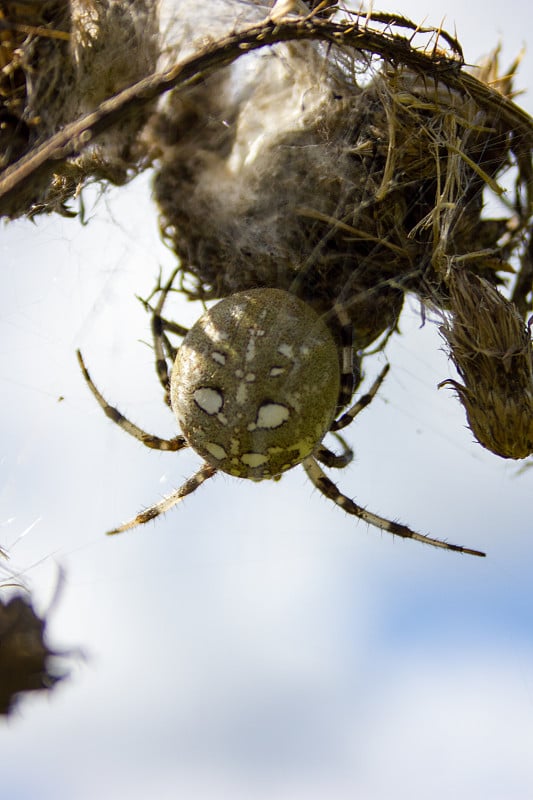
390, 46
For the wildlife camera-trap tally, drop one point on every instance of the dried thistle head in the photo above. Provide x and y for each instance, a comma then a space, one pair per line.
491, 349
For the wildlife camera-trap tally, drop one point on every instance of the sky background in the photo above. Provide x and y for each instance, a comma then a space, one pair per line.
256, 642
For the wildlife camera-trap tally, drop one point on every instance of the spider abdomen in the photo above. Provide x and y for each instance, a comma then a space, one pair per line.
255, 383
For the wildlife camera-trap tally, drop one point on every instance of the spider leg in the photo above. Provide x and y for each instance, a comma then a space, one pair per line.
206, 471
363, 402
166, 324
331, 459
159, 326
347, 366
328, 488
177, 443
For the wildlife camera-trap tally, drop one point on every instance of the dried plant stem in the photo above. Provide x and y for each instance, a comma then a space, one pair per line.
395, 49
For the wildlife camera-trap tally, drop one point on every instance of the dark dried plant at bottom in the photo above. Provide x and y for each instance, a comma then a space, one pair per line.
27, 663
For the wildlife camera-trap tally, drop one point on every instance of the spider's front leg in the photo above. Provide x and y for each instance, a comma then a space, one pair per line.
194, 482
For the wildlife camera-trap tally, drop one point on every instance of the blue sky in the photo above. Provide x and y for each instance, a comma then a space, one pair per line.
256, 642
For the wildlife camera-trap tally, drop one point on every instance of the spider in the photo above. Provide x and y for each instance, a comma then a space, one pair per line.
255, 386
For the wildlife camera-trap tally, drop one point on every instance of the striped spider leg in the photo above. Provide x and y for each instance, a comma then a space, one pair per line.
329, 489
346, 390
163, 347
155, 442
256, 384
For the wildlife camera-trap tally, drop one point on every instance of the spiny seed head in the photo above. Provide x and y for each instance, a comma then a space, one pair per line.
255, 383
492, 351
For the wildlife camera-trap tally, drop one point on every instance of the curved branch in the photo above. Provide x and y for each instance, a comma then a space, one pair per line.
396, 49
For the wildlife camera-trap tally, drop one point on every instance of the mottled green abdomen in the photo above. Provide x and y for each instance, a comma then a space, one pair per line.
256, 382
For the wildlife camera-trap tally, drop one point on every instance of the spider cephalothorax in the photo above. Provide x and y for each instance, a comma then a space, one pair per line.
255, 386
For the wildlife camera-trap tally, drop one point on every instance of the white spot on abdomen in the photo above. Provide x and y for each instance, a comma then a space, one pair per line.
250, 349
220, 358
272, 415
254, 459
241, 394
209, 400
286, 350
216, 450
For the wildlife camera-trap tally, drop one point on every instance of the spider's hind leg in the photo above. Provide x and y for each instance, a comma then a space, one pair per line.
365, 400
330, 490
337, 460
